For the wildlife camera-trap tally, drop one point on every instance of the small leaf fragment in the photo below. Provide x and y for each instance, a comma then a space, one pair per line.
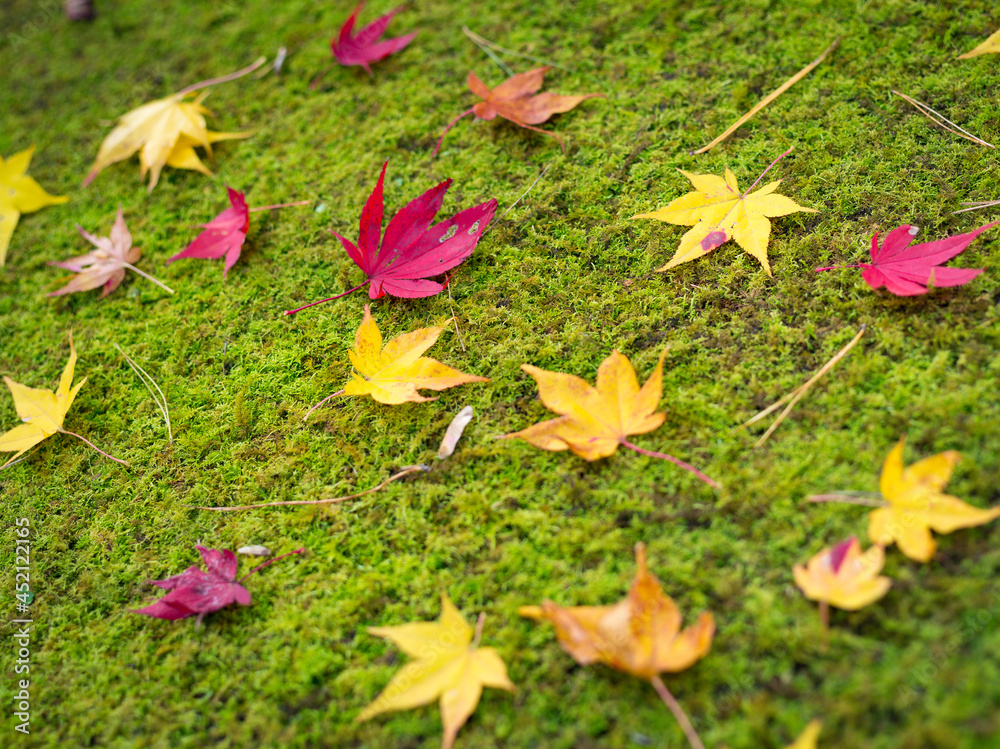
454, 433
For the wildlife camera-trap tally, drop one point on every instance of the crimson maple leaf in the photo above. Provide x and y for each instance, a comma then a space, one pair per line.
196, 591
906, 271
365, 47
410, 252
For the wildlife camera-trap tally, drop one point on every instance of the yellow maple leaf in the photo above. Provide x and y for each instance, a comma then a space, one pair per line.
595, 421
19, 194
809, 737
718, 212
843, 576
165, 132
449, 665
916, 506
395, 373
991, 45
640, 635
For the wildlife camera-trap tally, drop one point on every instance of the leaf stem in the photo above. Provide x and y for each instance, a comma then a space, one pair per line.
450, 126
479, 629
315, 81
331, 395
766, 171
279, 205
840, 267
270, 561
224, 78
323, 301
395, 477
149, 277
676, 461
88, 442
678, 712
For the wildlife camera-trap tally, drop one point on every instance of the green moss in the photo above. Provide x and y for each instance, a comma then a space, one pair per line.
559, 281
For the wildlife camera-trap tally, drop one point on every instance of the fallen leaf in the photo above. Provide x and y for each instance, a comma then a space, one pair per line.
843, 576
454, 433
449, 665
718, 212
640, 635
395, 373
106, 265
165, 132
254, 551
991, 45
410, 252
197, 591
595, 421
916, 505
42, 412
19, 194
364, 47
515, 100
809, 737
907, 271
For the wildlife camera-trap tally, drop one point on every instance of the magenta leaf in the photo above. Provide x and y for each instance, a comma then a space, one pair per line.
412, 251
197, 591
223, 235
363, 48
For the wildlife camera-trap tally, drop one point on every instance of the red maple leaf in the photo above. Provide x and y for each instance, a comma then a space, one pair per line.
410, 252
225, 234
906, 271
200, 592
365, 47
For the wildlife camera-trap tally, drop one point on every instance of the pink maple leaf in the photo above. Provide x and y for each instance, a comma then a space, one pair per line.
364, 47
197, 591
410, 252
906, 270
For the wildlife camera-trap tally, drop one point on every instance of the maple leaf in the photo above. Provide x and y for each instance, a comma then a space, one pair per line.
395, 373
43, 412
809, 736
165, 132
199, 592
365, 47
906, 271
915, 504
595, 421
992, 44
718, 212
106, 265
410, 252
19, 194
842, 576
515, 100
449, 665
640, 635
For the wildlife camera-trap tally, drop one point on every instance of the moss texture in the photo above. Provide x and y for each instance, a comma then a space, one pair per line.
559, 282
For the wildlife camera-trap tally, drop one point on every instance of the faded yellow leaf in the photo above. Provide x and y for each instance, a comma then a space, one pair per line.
449, 666
843, 576
991, 45
718, 212
19, 194
395, 373
916, 505
809, 737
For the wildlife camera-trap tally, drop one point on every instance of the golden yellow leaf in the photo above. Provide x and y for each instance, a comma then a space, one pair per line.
395, 373
718, 212
165, 132
19, 194
449, 666
844, 577
809, 737
916, 505
42, 411
991, 45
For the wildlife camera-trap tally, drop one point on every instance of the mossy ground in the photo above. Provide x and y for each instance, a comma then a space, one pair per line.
560, 281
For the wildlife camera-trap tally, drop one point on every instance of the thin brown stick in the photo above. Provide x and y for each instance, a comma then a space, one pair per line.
678, 712
847, 500
796, 395
224, 78
976, 205
520, 197
940, 120
395, 477
481, 43
770, 97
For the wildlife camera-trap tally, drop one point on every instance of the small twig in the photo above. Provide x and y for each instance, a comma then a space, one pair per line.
13, 462
88, 442
941, 121
331, 395
479, 630
279, 205
224, 78
160, 400
678, 712
676, 461
977, 204
770, 97
481, 43
520, 197
269, 562
796, 395
847, 500
395, 477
